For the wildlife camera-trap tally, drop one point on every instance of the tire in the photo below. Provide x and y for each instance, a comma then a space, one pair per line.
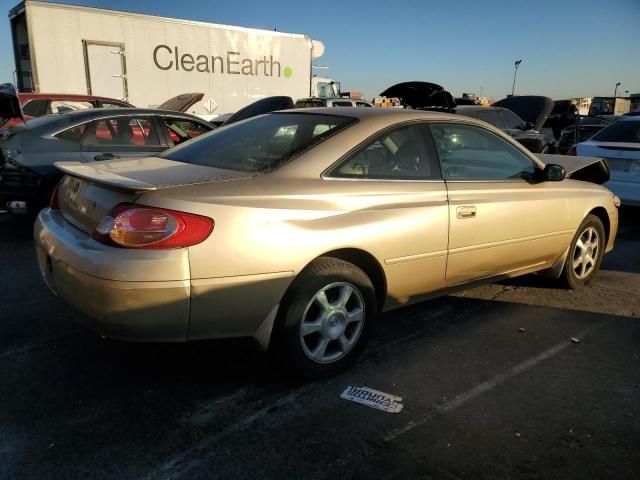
585, 253
315, 338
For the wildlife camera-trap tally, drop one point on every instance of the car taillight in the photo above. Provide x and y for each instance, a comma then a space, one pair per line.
572, 151
54, 204
131, 225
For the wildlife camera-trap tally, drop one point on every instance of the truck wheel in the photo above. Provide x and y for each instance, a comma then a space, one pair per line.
585, 253
325, 319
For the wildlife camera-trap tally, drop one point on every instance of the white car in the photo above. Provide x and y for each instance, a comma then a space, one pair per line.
619, 144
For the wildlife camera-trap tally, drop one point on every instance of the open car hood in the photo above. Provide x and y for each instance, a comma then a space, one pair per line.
421, 96
588, 169
182, 102
531, 108
9, 104
259, 107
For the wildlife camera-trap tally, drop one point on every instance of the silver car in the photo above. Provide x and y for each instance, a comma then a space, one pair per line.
298, 227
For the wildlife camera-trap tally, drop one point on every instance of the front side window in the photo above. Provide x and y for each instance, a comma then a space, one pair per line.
261, 144
363, 104
122, 131
468, 152
401, 154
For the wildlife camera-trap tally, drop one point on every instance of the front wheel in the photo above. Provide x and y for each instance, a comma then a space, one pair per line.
585, 253
325, 318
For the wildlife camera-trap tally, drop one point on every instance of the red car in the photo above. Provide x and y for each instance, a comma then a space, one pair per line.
39, 104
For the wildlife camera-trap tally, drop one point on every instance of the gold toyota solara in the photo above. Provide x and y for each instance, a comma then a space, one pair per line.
299, 227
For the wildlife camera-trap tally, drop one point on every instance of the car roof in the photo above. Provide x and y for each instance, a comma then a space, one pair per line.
376, 113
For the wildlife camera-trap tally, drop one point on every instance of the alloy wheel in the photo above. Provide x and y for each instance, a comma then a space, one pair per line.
332, 322
586, 252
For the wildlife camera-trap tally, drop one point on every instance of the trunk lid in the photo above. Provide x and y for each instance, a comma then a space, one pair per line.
531, 108
9, 104
421, 96
182, 102
89, 191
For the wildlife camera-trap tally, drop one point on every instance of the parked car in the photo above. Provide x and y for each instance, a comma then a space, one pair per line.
314, 102
511, 124
588, 127
28, 151
619, 144
298, 227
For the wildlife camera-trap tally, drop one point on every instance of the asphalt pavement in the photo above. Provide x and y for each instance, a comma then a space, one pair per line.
516, 380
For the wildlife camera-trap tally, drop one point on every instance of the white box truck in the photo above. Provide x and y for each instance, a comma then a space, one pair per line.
146, 59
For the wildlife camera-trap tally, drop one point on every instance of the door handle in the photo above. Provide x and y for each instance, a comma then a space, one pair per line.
466, 212
105, 156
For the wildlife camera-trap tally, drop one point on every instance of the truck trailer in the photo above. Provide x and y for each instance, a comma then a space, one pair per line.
145, 59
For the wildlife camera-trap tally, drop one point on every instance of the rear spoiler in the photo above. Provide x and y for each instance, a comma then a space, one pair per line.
104, 177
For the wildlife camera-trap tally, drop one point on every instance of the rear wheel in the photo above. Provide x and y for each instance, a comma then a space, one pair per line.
585, 253
325, 319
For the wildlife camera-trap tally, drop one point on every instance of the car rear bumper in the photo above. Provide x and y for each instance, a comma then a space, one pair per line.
119, 293
629, 192
148, 295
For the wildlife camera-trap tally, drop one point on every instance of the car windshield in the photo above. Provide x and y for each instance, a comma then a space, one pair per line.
259, 145
621, 131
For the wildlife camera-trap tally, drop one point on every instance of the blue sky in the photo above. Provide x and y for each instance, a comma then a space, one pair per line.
569, 47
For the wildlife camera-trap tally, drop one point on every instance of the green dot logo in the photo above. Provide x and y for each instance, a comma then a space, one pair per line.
288, 72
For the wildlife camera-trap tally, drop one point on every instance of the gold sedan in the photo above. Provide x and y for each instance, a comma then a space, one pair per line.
298, 227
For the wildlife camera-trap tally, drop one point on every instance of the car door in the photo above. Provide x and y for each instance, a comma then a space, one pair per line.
122, 136
502, 219
395, 180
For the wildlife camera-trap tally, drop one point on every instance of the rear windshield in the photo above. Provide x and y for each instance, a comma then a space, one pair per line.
259, 145
621, 131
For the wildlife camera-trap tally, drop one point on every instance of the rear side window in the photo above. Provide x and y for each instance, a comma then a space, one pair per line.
123, 131
620, 131
309, 103
35, 108
341, 103
73, 134
261, 144
363, 104
62, 106
180, 130
401, 154
511, 120
492, 117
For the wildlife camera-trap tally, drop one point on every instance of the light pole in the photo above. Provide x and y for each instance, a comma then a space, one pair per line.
517, 64
615, 92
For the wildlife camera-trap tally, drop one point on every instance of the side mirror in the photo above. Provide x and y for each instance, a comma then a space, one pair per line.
554, 173
528, 126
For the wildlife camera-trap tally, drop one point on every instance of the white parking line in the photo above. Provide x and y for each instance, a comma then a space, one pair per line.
490, 384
